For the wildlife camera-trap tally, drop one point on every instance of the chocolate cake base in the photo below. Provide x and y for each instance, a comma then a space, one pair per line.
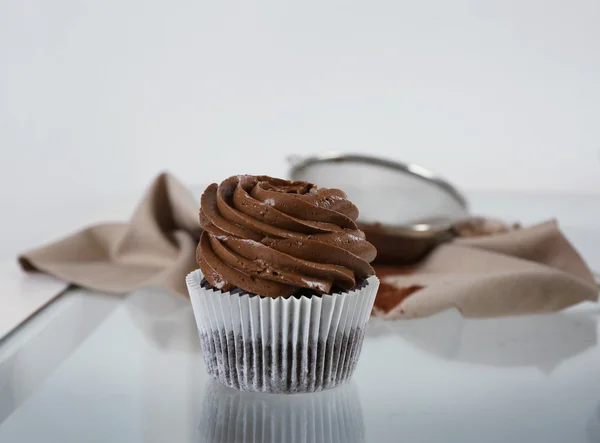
300, 292
259, 366
284, 344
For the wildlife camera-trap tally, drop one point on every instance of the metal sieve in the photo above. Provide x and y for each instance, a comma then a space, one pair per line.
403, 206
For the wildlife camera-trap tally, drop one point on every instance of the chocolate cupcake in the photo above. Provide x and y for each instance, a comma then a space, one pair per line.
284, 289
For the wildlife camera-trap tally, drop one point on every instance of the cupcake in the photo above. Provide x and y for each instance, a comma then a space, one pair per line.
284, 289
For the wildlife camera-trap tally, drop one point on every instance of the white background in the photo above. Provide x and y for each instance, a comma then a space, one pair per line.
97, 97
101, 95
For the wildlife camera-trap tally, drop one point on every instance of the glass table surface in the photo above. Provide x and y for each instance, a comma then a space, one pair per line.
94, 367
103, 368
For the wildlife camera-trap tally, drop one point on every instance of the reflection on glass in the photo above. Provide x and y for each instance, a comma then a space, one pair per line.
543, 340
231, 416
29, 356
165, 319
593, 426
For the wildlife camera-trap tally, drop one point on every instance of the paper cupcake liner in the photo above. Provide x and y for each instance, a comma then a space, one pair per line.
281, 345
333, 416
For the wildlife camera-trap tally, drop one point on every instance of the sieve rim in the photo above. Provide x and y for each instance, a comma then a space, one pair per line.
301, 164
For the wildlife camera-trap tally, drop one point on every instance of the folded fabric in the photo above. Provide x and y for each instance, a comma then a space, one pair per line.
156, 248
523, 271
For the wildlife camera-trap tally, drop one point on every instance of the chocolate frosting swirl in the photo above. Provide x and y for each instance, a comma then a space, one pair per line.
271, 237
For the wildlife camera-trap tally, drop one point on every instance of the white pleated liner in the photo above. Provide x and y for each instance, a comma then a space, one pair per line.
286, 345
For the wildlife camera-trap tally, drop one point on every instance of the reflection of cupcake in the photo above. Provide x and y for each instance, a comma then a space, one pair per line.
284, 289
333, 416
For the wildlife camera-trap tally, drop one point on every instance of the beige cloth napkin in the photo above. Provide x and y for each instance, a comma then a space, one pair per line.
524, 271
156, 248
528, 270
